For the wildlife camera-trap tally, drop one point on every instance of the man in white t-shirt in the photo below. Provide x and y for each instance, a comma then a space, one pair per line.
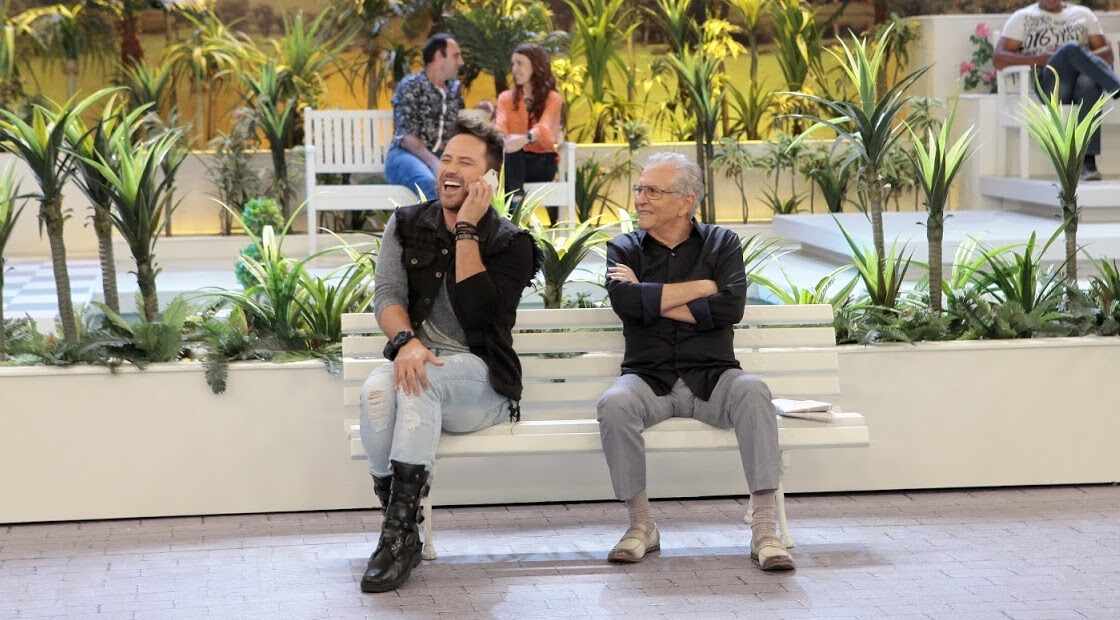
1068, 38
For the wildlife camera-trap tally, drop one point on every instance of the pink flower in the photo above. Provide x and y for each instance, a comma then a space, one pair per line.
983, 31
967, 67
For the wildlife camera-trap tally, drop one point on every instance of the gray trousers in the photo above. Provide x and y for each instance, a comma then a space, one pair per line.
739, 401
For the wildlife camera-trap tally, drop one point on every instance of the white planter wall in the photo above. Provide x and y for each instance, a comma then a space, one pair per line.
81, 444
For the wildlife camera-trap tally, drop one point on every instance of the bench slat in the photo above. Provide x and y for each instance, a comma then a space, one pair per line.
588, 392
676, 434
767, 362
599, 341
814, 314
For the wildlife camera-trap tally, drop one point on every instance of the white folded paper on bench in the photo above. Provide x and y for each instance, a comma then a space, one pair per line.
805, 409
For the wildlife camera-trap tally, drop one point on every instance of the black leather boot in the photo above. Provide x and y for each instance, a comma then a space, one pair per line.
400, 545
382, 485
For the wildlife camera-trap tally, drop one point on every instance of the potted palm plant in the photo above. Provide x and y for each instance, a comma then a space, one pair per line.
937, 162
696, 75
9, 214
87, 142
871, 124
41, 143
276, 118
1064, 132
136, 182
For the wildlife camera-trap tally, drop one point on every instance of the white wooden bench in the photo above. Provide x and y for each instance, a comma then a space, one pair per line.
357, 141
1014, 87
792, 347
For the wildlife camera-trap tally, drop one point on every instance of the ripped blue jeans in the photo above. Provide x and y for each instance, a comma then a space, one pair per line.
406, 428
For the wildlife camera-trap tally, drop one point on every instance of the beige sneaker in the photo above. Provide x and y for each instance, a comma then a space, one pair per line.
770, 553
635, 544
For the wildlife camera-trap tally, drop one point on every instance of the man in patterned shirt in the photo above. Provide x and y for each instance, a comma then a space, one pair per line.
1065, 45
425, 107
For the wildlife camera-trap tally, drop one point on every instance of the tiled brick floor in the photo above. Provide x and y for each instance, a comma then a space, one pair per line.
1015, 553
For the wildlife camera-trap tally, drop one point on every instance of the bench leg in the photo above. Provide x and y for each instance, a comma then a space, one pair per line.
783, 524
312, 232
429, 552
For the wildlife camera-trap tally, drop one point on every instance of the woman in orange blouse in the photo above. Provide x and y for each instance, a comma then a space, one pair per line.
529, 115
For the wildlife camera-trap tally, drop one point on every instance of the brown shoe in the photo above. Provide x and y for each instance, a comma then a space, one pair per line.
635, 544
771, 554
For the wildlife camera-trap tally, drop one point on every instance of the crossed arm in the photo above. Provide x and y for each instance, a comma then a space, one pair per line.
705, 303
675, 297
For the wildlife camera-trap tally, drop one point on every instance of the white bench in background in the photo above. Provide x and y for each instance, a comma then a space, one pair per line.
792, 347
1014, 86
357, 142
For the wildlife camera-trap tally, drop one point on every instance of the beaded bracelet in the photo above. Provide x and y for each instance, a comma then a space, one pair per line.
466, 227
466, 236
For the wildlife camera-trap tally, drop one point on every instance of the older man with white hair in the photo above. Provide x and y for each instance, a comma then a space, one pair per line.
680, 287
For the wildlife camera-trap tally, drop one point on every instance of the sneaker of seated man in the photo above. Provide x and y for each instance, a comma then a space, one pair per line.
449, 316
679, 287
1068, 39
426, 105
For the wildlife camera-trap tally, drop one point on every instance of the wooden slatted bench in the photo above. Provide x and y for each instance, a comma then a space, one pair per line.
570, 357
357, 141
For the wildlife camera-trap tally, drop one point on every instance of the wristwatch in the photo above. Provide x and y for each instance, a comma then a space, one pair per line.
394, 346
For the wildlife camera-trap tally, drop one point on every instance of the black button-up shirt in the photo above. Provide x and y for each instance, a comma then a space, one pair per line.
661, 350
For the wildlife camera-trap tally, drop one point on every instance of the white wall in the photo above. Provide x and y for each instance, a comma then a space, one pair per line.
81, 444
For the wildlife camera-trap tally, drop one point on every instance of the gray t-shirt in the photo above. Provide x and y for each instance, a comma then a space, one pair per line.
1043, 32
441, 330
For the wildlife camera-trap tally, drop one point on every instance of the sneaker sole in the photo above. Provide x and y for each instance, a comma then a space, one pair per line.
625, 559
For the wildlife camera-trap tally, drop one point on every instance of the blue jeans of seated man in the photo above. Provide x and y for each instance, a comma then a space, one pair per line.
1082, 78
406, 428
404, 168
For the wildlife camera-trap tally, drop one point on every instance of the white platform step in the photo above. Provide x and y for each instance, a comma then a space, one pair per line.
819, 234
1099, 200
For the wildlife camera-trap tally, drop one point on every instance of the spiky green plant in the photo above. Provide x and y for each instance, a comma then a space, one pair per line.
229, 340
674, 18
10, 211
1064, 133
90, 143
71, 35
1104, 290
698, 77
751, 12
1022, 278
276, 119
564, 248
210, 54
367, 21
594, 179
734, 160
882, 277
758, 251
150, 339
309, 51
150, 86
41, 144
599, 30
821, 293
137, 184
750, 107
347, 289
489, 31
871, 125
937, 163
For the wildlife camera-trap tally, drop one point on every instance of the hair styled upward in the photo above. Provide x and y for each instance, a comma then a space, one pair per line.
472, 123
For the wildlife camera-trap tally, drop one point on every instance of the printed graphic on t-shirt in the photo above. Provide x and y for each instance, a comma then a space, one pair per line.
1044, 35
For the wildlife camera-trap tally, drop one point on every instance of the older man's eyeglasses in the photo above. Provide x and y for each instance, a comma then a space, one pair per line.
651, 192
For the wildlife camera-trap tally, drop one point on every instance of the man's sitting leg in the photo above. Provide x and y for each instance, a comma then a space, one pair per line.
743, 402
458, 399
404, 168
624, 411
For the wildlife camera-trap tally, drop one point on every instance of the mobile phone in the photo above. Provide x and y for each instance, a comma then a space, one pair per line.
491, 179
